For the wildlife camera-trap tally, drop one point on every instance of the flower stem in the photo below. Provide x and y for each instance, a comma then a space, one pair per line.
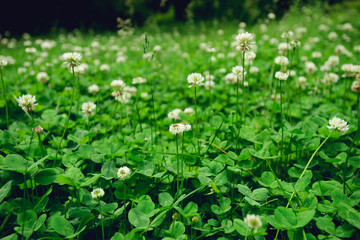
196, 123
111, 117
102, 222
177, 164
5, 98
68, 117
303, 172
243, 89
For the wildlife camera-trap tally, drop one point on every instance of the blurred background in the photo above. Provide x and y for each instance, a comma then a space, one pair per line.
44, 16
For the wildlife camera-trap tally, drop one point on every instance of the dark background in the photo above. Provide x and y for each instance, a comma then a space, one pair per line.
40, 16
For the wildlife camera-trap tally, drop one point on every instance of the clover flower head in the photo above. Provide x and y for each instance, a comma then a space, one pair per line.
93, 89
27, 102
245, 41
174, 114
281, 60
87, 108
176, 128
355, 86
42, 77
38, 129
238, 71
118, 84
97, 193
123, 172
71, 58
338, 124
3, 62
253, 222
195, 79
281, 75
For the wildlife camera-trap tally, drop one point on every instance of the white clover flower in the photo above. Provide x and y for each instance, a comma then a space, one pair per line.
253, 222
332, 36
123, 97
301, 82
355, 86
87, 108
245, 41
138, 80
38, 129
332, 61
209, 84
174, 114
281, 60
310, 67
338, 124
123, 172
189, 111
286, 35
30, 50
42, 77
187, 127
238, 71
271, 16
93, 89
254, 70
249, 57
230, 78
195, 79
347, 27
177, 128
283, 47
104, 68
211, 50
27, 102
3, 63
316, 55
281, 75
97, 193
330, 78
157, 48
295, 43
118, 84
71, 58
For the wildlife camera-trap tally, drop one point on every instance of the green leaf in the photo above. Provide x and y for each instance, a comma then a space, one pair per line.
165, 199
349, 214
303, 182
138, 219
4, 191
303, 218
27, 219
146, 168
266, 179
225, 204
325, 224
240, 227
90, 181
355, 161
177, 229
260, 194
285, 217
109, 170
45, 176
146, 206
62, 226
17, 163
344, 231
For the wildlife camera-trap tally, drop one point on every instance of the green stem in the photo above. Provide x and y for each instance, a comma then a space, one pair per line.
111, 117
196, 123
102, 221
5, 98
177, 164
182, 162
243, 89
302, 174
237, 113
282, 122
68, 118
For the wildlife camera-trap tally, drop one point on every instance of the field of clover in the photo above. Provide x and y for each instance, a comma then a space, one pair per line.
196, 131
